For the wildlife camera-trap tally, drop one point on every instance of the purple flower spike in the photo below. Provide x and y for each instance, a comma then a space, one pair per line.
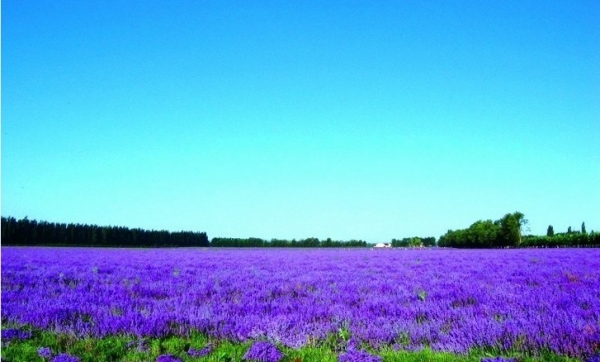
595, 358
65, 357
263, 352
352, 344
358, 356
44, 352
498, 359
167, 358
193, 352
11, 333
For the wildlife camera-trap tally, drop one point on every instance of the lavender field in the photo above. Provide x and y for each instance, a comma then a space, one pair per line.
530, 301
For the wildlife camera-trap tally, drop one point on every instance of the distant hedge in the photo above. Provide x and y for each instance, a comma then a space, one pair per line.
573, 239
284, 243
27, 232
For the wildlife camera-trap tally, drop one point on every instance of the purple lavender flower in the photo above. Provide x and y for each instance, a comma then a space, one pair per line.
167, 358
140, 345
12, 333
594, 358
352, 344
263, 352
358, 356
193, 352
523, 300
498, 359
131, 344
44, 352
9, 334
414, 348
65, 357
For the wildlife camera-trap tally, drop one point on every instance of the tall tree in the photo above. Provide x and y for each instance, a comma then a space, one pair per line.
510, 228
583, 228
569, 230
550, 231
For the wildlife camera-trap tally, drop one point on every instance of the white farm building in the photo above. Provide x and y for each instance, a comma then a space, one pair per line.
382, 245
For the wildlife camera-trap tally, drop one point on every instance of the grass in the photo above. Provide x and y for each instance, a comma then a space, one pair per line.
128, 348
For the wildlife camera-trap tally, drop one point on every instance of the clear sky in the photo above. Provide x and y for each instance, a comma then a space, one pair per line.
364, 120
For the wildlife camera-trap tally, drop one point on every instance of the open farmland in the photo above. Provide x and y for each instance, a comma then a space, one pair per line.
523, 303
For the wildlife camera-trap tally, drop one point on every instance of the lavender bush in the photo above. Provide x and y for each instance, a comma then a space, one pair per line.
449, 300
12, 333
65, 357
44, 352
263, 352
194, 352
358, 356
167, 358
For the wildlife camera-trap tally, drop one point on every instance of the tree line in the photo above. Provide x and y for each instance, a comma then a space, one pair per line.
507, 232
570, 238
562, 240
487, 233
27, 232
283, 243
414, 241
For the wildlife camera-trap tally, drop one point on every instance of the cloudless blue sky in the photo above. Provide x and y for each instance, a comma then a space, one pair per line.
291, 119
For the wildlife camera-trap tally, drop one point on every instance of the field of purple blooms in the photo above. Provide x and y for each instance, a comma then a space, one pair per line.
530, 301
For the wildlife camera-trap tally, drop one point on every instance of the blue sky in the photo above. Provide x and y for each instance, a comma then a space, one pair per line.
350, 119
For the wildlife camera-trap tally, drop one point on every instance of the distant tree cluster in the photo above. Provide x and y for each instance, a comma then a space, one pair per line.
567, 239
487, 233
30, 232
283, 243
506, 232
414, 241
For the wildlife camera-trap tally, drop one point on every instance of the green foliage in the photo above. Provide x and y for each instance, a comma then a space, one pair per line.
481, 234
344, 334
426, 355
119, 348
131, 349
510, 229
307, 354
563, 240
506, 232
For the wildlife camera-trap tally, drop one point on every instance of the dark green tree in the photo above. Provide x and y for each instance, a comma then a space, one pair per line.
510, 228
569, 230
484, 234
550, 231
428, 241
583, 228
31, 232
416, 242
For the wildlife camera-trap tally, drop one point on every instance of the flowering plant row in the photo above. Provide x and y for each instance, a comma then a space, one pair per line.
509, 301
